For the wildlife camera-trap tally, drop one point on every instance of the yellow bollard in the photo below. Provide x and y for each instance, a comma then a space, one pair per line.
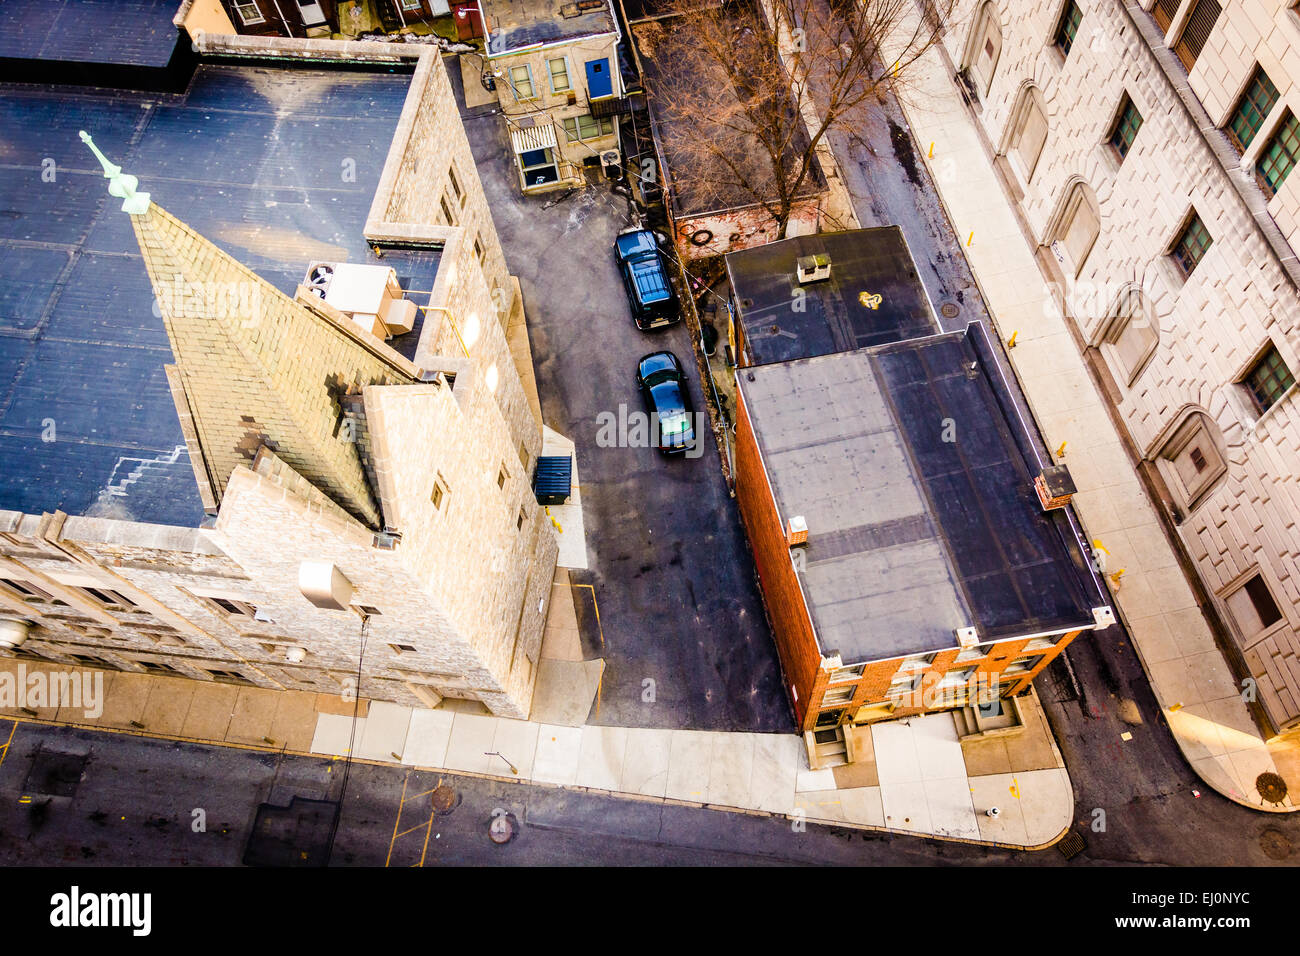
1114, 578
932, 149
1060, 452
1096, 543
1011, 342
971, 239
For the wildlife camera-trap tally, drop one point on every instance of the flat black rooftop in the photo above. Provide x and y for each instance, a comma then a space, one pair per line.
918, 497
118, 32
258, 160
836, 314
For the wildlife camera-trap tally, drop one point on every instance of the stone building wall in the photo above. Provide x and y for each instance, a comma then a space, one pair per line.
1177, 352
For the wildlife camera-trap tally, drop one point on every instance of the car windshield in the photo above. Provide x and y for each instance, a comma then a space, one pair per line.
657, 376
635, 242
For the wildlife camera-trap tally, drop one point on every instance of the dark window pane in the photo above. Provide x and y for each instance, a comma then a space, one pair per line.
1279, 155
1068, 28
1126, 128
1269, 380
1256, 102
1191, 246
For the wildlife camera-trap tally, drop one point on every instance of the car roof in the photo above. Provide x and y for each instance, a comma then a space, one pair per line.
656, 361
643, 240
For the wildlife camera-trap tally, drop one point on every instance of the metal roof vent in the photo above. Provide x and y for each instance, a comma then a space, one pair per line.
812, 268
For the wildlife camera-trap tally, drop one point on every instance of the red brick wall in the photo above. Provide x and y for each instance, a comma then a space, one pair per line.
791, 625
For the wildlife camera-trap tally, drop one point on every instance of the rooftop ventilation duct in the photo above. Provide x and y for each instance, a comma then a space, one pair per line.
1055, 487
796, 531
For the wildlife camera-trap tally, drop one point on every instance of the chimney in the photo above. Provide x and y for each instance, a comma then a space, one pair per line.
967, 637
796, 531
812, 268
1055, 487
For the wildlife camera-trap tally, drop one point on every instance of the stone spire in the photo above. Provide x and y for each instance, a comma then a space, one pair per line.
254, 367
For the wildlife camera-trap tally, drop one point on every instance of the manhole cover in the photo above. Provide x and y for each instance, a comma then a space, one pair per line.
501, 830
443, 798
1071, 845
1271, 787
949, 310
1275, 844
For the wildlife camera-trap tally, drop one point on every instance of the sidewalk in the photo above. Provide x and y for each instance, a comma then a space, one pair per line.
913, 777
1188, 674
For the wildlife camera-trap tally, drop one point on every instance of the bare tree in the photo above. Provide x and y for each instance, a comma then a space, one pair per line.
747, 90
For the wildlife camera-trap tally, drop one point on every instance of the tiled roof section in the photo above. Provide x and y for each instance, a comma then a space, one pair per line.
258, 368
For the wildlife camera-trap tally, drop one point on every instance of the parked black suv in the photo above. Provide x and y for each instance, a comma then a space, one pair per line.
644, 268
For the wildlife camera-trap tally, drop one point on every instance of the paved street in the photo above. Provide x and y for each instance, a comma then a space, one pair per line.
669, 562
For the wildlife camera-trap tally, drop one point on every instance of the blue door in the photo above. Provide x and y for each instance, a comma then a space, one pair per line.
599, 80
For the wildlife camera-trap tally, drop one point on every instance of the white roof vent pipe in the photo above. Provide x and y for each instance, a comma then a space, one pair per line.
13, 633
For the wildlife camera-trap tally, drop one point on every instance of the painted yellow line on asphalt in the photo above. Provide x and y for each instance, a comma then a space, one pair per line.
4, 751
405, 781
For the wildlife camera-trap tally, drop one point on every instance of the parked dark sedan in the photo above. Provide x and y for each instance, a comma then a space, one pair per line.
643, 265
662, 382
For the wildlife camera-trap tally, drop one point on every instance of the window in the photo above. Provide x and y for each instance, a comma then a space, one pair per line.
988, 49
1022, 665
1191, 246
975, 653
917, 662
1067, 28
578, 128
1193, 463
1127, 124
478, 249
229, 677
28, 591
439, 492
521, 80
402, 648
523, 516
1079, 228
1268, 379
1164, 12
559, 70
1279, 156
155, 667
413, 5
852, 672
233, 607
957, 677
1197, 30
249, 14
538, 167
904, 684
455, 186
107, 597
1252, 109
839, 695
1252, 607
1132, 336
502, 476
1031, 133
524, 457
447, 217
1041, 644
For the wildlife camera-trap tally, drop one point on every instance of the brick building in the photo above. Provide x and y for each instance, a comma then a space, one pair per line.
1148, 147
888, 489
557, 76
398, 460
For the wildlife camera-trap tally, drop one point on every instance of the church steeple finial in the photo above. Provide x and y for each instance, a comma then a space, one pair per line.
120, 184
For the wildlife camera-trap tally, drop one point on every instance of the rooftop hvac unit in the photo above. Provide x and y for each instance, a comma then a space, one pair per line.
319, 277
812, 268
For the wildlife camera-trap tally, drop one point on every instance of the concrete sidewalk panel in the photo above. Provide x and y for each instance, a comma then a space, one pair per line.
253, 715
688, 765
558, 751
210, 711
427, 738
600, 757
777, 759
730, 768
334, 734
516, 741
471, 741
387, 726
645, 762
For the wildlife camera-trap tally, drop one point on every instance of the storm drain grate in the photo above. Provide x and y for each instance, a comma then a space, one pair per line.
1071, 845
1271, 787
949, 310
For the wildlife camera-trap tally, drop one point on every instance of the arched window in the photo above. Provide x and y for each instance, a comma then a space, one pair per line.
1077, 228
1192, 459
1131, 335
1028, 132
986, 47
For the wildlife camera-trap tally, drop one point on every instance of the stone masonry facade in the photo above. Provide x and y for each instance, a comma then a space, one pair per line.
457, 593
1124, 163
